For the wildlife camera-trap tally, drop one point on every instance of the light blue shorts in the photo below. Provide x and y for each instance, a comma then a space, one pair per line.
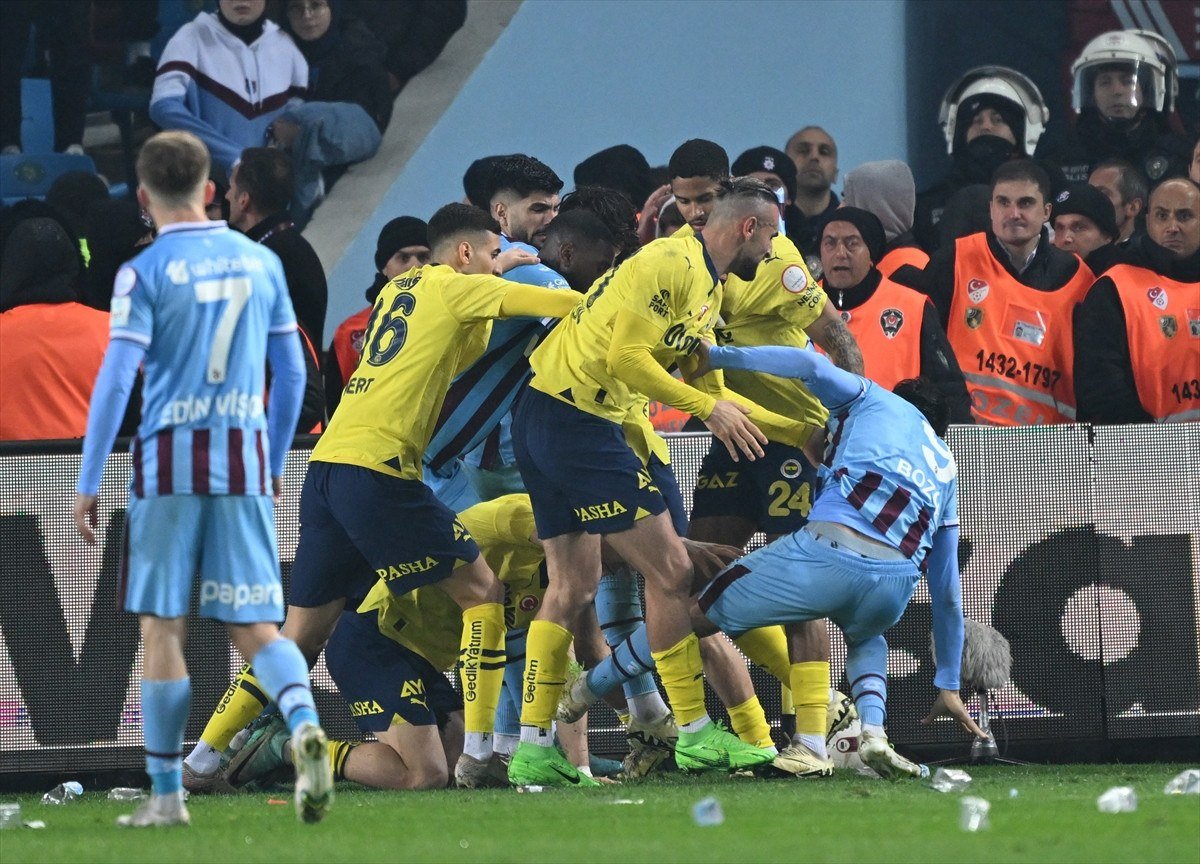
228, 539
803, 578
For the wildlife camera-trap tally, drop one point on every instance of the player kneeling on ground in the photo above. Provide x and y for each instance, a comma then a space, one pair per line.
887, 512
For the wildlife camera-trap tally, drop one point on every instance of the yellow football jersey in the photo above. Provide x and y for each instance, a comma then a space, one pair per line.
427, 325
772, 309
428, 622
641, 436
670, 284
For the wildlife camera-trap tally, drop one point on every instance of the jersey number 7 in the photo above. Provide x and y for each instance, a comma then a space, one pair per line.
236, 290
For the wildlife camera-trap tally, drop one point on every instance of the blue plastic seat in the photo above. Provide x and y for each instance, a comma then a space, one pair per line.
30, 175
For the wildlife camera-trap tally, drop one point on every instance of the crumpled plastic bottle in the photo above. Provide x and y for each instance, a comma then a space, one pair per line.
63, 793
1118, 799
707, 812
950, 780
1184, 783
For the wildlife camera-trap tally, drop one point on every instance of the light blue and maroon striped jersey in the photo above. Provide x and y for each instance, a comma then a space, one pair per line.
203, 300
887, 474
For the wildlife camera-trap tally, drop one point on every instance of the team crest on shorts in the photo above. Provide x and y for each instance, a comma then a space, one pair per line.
978, 290
1158, 296
974, 317
1169, 325
790, 468
1193, 316
529, 602
891, 321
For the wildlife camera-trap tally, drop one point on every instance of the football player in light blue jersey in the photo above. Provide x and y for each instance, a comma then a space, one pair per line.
887, 511
202, 309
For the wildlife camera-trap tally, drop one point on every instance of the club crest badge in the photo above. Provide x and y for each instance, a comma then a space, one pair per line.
1169, 325
790, 468
1158, 296
978, 290
974, 318
1193, 316
891, 321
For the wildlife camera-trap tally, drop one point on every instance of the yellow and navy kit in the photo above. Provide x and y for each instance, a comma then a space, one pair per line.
427, 622
773, 308
427, 325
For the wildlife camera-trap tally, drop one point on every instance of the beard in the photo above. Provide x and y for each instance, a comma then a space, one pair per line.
744, 266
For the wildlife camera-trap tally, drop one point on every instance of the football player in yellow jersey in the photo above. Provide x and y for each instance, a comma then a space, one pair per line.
388, 658
781, 305
364, 512
586, 483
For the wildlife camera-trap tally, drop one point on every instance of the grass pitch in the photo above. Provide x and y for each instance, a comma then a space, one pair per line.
1053, 817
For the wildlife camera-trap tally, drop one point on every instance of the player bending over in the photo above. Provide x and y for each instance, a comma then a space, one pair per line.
202, 310
887, 512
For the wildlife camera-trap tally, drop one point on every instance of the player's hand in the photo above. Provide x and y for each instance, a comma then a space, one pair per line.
648, 221
709, 559
277, 489
728, 423
512, 258
700, 361
85, 513
949, 704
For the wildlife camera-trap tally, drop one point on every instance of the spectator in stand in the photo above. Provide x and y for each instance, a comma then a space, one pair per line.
1084, 223
990, 115
349, 101
62, 26
888, 190
815, 153
1005, 297
52, 344
403, 244
1194, 168
414, 31
71, 195
896, 328
226, 76
1137, 333
260, 189
116, 230
1127, 189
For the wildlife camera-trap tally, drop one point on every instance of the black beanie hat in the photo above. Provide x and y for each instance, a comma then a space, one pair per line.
868, 226
768, 159
1084, 199
395, 235
621, 167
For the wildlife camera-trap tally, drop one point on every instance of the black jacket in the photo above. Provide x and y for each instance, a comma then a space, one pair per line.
413, 31
938, 362
1105, 391
1157, 151
1050, 269
352, 69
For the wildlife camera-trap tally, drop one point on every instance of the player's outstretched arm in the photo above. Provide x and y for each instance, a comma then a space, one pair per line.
109, 398
833, 386
832, 335
775, 426
529, 301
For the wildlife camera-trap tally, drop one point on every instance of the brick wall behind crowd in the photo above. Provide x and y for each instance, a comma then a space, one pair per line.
1082, 546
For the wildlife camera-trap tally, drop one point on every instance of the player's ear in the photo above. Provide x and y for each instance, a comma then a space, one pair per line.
464, 252
143, 198
566, 254
210, 191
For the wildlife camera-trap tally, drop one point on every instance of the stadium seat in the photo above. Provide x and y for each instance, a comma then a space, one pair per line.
37, 116
30, 175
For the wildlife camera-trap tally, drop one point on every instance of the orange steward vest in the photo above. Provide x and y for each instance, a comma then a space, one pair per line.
888, 331
897, 258
1015, 344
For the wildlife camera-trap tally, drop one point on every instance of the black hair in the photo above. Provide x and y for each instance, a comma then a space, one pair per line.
1026, 170
1131, 182
699, 158
455, 219
478, 179
265, 174
521, 175
611, 207
580, 226
741, 191
927, 398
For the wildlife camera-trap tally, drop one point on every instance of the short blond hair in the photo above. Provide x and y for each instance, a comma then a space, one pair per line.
173, 167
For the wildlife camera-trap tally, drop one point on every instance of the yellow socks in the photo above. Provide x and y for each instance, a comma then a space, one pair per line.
767, 646
682, 676
750, 723
243, 701
481, 665
810, 692
547, 649
339, 752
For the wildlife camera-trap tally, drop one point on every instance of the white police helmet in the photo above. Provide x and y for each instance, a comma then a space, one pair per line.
997, 82
1135, 70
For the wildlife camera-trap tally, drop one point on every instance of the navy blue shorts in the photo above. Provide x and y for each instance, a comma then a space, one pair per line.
774, 492
381, 679
580, 472
664, 478
359, 525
